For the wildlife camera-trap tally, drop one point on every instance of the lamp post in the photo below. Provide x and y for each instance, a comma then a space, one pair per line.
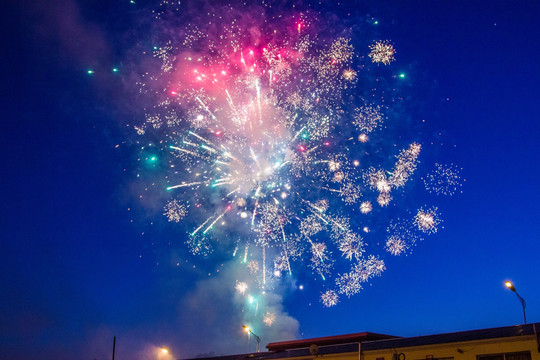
248, 330
509, 285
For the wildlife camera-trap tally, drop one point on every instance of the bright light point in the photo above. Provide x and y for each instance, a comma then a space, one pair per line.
302, 148
375, 22
241, 287
402, 76
277, 273
90, 72
115, 70
164, 351
223, 72
243, 215
366, 229
200, 117
301, 287
283, 195
356, 163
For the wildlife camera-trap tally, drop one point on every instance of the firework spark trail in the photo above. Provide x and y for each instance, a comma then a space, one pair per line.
206, 108
187, 185
201, 226
276, 127
215, 221
285, 249
184, 150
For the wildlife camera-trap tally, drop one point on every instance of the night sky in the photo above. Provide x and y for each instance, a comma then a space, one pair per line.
83, 259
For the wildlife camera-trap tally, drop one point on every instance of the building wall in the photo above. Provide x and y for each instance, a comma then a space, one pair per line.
468, 350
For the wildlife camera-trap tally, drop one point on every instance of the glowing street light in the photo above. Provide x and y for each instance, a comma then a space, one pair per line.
248, 330
164, 351
509, 285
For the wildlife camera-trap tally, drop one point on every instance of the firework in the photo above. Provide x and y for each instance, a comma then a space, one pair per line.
175, 211
349, 283
368, 118
406, 163
269, 318
402, 237
330, 298
382, 52
265, 140
363, 138
428, 220
349, 75
395, 245
253, 266
321, 261
366, 207
444, 180
241, 287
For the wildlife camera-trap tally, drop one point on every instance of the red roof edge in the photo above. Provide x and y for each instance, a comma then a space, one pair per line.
327, 340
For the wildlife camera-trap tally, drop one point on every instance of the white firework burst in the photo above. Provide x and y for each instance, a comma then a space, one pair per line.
269, 318
175, 211
428, 220
330, 298
395, 245
241, 287
444, 180
366, 207
382, 52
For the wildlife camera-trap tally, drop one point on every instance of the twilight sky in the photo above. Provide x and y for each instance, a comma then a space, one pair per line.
84, 258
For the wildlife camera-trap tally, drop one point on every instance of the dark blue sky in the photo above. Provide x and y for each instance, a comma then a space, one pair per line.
75, 271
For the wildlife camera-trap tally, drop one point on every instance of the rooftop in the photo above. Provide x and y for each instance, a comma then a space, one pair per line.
370, 341
327, 340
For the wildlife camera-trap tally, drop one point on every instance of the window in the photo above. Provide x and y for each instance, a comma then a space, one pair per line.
523, 355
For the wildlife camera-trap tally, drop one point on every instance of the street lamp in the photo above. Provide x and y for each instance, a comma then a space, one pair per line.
248, 330
509, 285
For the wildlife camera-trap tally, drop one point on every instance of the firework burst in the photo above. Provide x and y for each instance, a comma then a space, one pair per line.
382, 52
175, 211
265, 139
428, 220
444, 180
329, 298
